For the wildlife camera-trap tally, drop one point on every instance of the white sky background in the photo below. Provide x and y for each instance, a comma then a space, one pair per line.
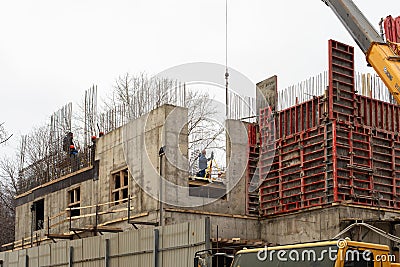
51, 51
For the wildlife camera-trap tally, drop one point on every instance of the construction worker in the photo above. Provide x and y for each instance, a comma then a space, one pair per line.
72, 150
203, 163
67, 142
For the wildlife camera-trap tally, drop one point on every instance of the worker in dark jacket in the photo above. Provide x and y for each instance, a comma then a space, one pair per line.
203, 163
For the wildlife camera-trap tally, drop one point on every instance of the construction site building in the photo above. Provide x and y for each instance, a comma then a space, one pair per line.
110, 197
316, 167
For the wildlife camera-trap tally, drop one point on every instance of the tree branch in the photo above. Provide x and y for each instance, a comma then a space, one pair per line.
5, 140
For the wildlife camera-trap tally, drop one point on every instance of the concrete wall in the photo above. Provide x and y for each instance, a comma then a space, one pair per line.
54, 204
134, 145
236, 158
229, 226
325, 223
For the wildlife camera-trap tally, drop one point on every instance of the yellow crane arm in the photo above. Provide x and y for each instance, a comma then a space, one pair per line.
387, 65
378, 53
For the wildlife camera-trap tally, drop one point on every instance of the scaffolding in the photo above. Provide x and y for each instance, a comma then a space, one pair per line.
64, 225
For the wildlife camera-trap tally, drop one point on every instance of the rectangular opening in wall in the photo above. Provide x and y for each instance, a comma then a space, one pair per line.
74, 201
207, 191
119, 185
38, 212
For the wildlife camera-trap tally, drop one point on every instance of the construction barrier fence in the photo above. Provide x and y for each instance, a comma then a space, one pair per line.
172, 245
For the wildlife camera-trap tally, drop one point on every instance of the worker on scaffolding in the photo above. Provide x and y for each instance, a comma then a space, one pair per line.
203, 163
68, 142
69, 147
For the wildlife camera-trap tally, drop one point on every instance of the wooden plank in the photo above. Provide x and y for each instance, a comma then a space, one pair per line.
109, 229
58, 215
59, 236
97, 229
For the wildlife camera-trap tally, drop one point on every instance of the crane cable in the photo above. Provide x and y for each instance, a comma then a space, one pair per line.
226, 61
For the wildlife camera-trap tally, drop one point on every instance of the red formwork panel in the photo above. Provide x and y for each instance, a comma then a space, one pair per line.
300, 117
336, 162
252, 172
340, 147
341, 90
389, 25
397, 22
252, 134
295, 178
368, 165
345, 104
392, 31
377, 114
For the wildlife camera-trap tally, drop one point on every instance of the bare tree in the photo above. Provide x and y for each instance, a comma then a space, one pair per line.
205, 131
140, 94
137, 95
35, 158
8, 190
4, 136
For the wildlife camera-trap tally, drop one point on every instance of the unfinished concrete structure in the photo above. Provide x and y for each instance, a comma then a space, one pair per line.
322, 164
121, 189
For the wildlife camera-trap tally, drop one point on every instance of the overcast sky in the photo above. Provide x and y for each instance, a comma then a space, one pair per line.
51, 51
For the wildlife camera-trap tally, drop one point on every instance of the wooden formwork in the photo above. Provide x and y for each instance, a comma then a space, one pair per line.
337, 147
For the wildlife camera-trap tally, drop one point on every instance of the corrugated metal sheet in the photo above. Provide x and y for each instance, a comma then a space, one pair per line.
134, 245
13, 259
91, 250
58, 253
44, 255
174, 241
197, 232
102, 243
33, 254
146, 244
22, 257
4, 258
181, 241
113, 249
77, 251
